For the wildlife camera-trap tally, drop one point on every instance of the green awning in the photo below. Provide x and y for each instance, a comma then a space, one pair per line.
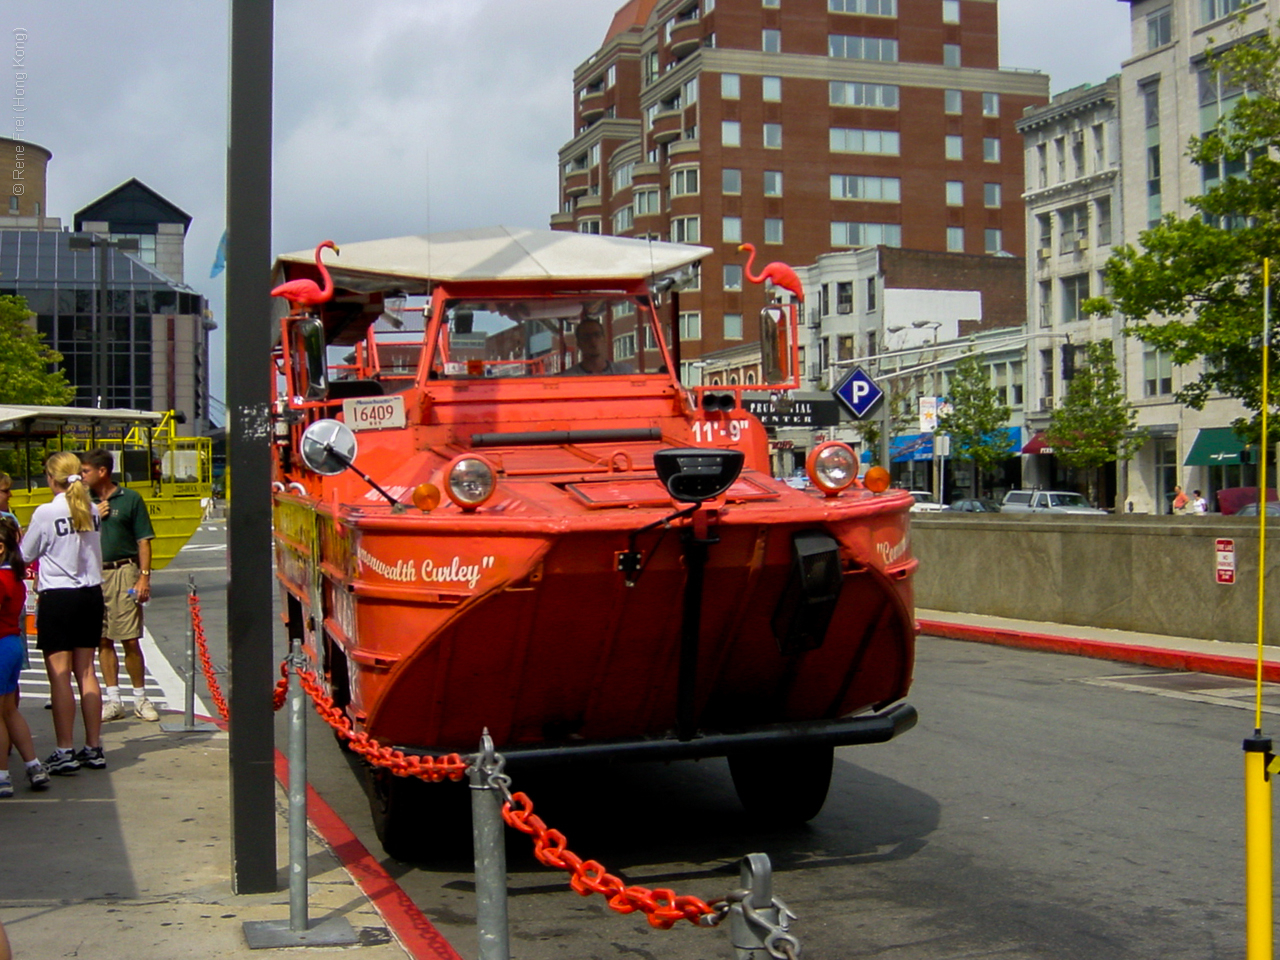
1214, 447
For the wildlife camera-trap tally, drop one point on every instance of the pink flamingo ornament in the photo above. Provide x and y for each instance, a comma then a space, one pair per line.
304, 293
778, 273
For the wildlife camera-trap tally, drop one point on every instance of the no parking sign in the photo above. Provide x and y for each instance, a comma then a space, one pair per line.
1226, 552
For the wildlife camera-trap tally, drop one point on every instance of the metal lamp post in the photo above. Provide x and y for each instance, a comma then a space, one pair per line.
101, 377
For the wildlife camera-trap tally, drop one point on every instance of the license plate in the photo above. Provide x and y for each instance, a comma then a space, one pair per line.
374, 413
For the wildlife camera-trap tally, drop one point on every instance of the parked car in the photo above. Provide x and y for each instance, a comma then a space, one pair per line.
1251, 509
974, 505
1047, 501
1231, 499
925, 502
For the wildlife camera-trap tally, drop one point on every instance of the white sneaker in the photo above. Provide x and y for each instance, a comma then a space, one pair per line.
144, 709
112, 709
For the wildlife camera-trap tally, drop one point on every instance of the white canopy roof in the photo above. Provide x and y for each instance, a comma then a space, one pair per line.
498, 253
18, 418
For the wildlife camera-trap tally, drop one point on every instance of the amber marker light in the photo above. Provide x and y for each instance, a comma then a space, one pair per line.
832, 467
876, 480
470, 481
426, 497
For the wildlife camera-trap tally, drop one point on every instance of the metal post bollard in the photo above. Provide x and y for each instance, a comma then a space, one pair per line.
758, 920
189, 724
488, 836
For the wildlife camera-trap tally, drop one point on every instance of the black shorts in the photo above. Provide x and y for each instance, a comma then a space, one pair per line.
69, 618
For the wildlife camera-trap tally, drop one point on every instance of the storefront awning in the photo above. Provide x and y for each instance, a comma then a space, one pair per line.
915, 446
1038, 444
1214, 447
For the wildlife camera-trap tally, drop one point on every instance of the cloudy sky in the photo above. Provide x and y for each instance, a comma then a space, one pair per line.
391, 116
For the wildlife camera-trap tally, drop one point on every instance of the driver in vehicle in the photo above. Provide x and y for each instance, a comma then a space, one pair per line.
592, 350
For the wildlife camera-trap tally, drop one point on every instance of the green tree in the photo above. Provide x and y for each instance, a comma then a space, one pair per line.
977, 419
1194, 286
1095, 424
30, 371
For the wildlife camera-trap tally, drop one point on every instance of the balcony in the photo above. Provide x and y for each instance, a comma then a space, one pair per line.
686, 37
561, 221
591, 105
681, 147
589, 202
667, 126
576, 183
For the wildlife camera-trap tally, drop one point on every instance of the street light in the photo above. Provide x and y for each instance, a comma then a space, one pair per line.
101, 364
921, 324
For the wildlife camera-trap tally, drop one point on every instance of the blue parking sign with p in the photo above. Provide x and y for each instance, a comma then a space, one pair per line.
858, 392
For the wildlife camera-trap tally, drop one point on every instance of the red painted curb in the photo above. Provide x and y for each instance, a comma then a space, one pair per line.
418, 935
1219, 665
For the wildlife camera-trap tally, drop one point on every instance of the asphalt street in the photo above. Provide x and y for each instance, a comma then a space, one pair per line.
1045, 807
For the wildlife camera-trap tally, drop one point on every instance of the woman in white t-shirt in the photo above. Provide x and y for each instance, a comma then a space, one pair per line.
63, 536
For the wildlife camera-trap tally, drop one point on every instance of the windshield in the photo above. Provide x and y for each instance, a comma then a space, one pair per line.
551, 337
1067, 500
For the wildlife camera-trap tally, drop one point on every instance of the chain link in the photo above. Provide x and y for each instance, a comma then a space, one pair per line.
206, 664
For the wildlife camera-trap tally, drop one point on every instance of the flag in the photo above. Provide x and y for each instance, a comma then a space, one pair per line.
220, 258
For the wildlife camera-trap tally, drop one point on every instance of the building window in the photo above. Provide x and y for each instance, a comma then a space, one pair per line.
730, 180
993, 240
870, 8
771, 89
685, 229
647, 202
1103, 208
733, 326
623, 220
951, 54
624, 345
1042, 165
611, 76
733, 276
955, 193
847, 187
847, 140
730, 133
1044, 303
622, 176
952, 101
13, 204
1159, 27
1151, 104
1073, 228
1015, 383
684, 181
731, 231
844, 296
954, 147
1216, 9
871, 294
691, 325
851, 94
991, 104
991, 149
771, 41
1157, 373
991, 195
955, 239
689, 92
950, 11
730, 86
773, 135
771, 3
773, 230
1075, 291
773, 183
589, 226
862, 48
848, 234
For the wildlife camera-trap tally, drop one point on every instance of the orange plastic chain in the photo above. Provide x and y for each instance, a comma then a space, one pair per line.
663, 907
202, 645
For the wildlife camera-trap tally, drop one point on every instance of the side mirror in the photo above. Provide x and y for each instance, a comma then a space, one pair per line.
695, 474
328, 447
775, 344
306, 344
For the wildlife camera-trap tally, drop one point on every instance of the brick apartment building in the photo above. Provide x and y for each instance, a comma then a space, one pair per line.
803, 126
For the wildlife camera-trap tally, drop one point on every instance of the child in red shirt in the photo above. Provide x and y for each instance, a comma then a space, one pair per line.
13, 657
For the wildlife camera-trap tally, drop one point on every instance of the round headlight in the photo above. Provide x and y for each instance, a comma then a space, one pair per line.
470, 481
832, 466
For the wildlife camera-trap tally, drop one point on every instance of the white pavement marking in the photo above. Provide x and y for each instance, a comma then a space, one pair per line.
159, 667
223, 568
203, 547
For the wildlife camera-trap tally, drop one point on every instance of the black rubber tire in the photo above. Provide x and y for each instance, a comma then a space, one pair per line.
785, 785
417, 821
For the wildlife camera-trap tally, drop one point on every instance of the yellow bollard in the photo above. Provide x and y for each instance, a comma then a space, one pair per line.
1257, 841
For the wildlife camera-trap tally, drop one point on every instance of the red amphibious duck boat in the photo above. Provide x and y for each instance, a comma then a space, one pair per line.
493, 518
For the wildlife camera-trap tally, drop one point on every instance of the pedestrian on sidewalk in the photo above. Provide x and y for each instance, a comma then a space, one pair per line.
1199, 505
6, 491
63, 536
1180, 500
14, 732
126, 582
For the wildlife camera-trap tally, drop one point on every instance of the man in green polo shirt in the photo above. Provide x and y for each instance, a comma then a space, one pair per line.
126, 582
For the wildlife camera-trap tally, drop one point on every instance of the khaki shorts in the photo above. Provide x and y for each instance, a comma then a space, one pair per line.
122, 618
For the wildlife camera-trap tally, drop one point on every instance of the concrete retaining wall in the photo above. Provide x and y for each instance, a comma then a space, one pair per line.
1149, 574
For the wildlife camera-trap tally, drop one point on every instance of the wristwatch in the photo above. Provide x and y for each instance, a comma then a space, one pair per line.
144, 573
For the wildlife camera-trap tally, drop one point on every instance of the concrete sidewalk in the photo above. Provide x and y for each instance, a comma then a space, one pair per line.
134, 861
1152, 650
